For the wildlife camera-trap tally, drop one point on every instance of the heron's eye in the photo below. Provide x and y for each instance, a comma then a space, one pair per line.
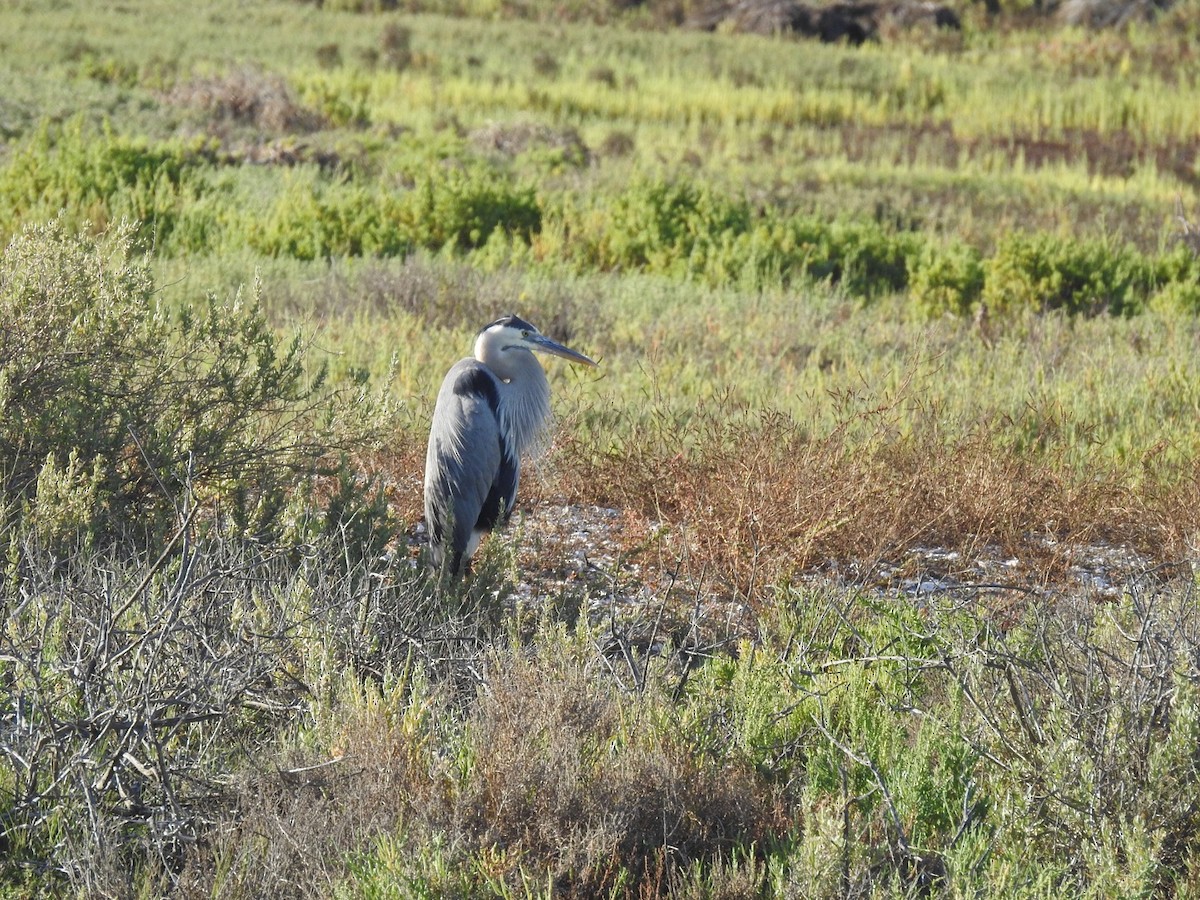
524, 334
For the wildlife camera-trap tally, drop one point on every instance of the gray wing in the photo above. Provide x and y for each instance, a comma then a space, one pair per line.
470, 481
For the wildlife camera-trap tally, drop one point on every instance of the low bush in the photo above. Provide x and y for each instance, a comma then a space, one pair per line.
137, 688
449, 209
664, 226
947, 280
542, 776
1089, 720
1176, 280
462, 209
670, 227
467, 201
864, 258
859, 746
115, 408
674, 228
311, 220
100, 178
1039, 272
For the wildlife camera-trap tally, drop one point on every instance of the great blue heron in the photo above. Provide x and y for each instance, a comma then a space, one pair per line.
491, 408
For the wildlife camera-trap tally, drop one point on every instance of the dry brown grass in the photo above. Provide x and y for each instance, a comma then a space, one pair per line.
751, 503
768, 502
512, 139
566, 787
247, 97
557, 781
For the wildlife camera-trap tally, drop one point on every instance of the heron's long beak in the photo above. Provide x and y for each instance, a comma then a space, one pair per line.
545, 345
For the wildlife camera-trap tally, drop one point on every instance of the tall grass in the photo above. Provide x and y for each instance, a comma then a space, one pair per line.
748, 114
897, 410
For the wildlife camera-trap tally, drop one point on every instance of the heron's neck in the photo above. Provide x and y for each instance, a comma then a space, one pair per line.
525, 407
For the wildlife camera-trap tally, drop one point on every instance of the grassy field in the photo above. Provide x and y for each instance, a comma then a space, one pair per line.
886, 484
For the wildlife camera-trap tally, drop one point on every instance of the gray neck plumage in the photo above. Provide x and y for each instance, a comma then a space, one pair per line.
525, 410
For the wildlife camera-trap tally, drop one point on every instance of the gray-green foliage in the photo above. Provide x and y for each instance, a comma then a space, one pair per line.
860, 747
115, 408
1089, 720
870, 747
135, 689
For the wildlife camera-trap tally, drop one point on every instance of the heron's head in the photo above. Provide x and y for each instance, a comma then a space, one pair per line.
512, 334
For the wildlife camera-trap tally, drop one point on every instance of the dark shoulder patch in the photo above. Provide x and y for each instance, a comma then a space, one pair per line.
478, 382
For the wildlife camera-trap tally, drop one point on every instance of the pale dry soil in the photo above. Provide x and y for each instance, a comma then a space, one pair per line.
637, 579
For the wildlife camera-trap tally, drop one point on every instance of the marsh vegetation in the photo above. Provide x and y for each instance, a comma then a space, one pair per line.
862, 567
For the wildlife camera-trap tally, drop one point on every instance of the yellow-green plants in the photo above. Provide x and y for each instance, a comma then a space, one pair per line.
664, 226
1038, 272
313, 218
460, 209
947, 280
99, 177
160, 407
1176, 281
676, 228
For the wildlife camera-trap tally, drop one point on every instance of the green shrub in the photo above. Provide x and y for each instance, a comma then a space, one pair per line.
99, 178
113, 411
947, 280
315, 219
865, 259
1176, 284
1176, 297
1098, 735
1039, 272
209, 224
660, 226
682, 230
765, 713
462, 208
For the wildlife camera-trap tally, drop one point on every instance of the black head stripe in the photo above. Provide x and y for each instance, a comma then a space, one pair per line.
509, 321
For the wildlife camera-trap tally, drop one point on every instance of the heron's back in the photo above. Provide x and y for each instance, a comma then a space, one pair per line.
470, 474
